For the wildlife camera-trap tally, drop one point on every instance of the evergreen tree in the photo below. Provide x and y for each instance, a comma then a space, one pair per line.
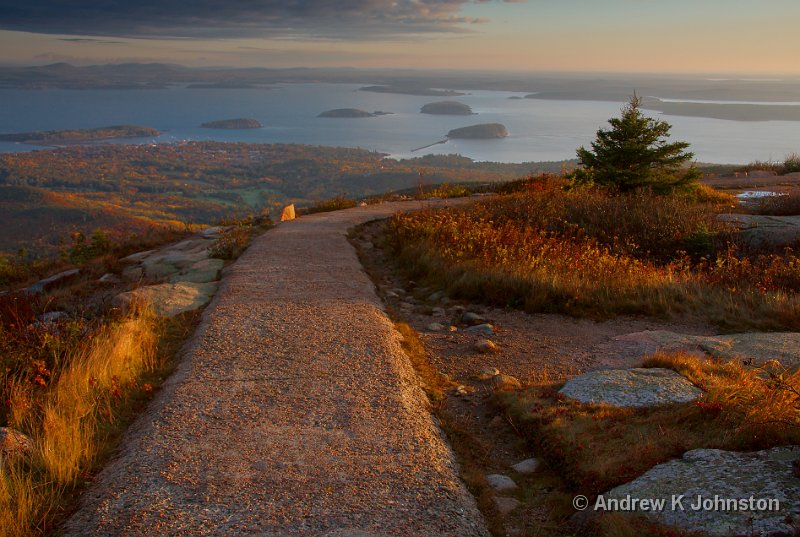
634, 153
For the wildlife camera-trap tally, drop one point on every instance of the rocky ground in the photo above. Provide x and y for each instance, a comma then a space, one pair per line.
481, 349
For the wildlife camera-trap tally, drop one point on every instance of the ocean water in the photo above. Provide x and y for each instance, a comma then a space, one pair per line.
539, 129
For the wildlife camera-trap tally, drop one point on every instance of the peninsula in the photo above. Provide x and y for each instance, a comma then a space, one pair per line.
233, 124
77, 136
412, 90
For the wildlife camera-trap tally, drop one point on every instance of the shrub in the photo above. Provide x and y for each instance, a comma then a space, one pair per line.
333, 204
791, 164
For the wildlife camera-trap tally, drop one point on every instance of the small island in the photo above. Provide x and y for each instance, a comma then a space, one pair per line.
483, 131
233, 124
447, 108
351, 113
78, 136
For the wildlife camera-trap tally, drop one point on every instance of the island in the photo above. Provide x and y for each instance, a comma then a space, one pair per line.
351, 113
483, 131
447, 108
233, 124
78, 136
412, 90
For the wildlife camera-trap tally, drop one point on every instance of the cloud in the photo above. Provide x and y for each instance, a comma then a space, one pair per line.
88, 40
335, 19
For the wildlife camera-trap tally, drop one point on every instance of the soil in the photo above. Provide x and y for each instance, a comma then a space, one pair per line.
534, 348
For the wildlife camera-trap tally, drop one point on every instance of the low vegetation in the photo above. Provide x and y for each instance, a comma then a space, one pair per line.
790, 164
73, 382
45, 195
597, 447
787, 204
72, 387
587, 252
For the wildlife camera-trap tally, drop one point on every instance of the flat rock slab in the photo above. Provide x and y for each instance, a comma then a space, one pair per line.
294, 411
711, 473
766, 230
169, 299
758, 347
641, 387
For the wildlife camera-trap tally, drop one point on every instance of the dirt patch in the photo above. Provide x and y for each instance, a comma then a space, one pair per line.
533, 348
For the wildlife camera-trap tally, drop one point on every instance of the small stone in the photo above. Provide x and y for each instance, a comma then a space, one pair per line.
437, 296
438, 312
471, 318
398, 290
52, 316
453, 328
462, 390
109, 279
435, 327
487, 373
486, 346
501, 483
391, 294
528, 466
506, 382
288, 213
505, 505
485, 328
212, 232
14, 444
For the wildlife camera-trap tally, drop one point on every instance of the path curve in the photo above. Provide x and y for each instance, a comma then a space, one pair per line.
294, 411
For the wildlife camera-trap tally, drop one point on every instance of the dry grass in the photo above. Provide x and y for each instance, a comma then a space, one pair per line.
598, 446
784, 205
586, 253
71, 419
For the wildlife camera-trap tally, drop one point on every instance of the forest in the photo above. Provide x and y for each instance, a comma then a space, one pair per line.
46, 195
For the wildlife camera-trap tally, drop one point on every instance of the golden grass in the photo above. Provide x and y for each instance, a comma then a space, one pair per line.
598, 446
68, 421
585, 253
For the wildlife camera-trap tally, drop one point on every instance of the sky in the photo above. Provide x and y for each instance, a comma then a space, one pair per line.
645, 36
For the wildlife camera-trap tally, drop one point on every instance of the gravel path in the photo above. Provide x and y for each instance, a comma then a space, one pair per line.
293, 412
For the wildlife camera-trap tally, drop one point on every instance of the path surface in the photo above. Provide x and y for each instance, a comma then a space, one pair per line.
293, 412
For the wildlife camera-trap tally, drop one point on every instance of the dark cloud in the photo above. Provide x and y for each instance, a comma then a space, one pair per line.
88, 40
236, 18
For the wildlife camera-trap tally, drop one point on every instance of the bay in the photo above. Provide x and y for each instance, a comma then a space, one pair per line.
540, 130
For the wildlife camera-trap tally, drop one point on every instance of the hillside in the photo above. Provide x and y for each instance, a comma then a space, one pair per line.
37, 219
85, 187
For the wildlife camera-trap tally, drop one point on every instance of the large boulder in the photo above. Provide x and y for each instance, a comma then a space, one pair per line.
169, 299
206, 270
631, 388
755, 347
721, 492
